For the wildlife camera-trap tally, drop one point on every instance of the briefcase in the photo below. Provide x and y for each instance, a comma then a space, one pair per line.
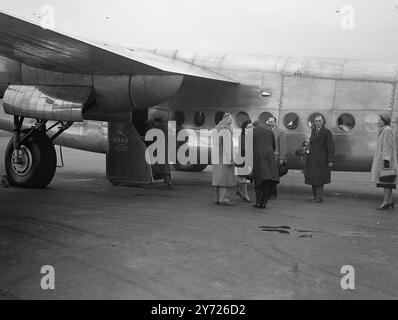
388, 175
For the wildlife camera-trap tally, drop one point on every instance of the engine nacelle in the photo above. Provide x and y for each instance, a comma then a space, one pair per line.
114, 94
107, 96
10, 72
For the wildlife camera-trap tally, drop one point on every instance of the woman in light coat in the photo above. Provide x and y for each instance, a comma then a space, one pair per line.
224, 169
385, 157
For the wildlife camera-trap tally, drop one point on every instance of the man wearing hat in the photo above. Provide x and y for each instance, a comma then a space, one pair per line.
280, 149
320, 159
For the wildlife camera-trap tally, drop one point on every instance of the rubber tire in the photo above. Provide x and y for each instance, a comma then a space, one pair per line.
44, 162
190, 167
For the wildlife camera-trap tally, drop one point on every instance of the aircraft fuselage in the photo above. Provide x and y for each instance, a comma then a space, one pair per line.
348, 93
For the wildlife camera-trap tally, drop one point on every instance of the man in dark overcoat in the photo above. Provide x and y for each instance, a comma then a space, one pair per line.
265, 169
320, 159
280, 149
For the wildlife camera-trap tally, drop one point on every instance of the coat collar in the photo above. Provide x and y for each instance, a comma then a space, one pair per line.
315, 134
381, 130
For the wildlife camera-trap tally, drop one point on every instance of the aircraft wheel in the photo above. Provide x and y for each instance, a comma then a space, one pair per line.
36, 164
190, 167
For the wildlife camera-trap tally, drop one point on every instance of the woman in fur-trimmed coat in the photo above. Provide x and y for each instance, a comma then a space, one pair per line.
223, 179
385, 157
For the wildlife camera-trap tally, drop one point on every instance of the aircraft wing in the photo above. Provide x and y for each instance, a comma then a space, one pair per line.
29, 43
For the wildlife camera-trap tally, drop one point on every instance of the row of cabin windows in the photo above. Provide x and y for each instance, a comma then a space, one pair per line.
345, 121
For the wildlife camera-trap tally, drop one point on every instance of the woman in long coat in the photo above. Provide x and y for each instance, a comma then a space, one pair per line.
385, 157
320, 159
265, 168
224, 170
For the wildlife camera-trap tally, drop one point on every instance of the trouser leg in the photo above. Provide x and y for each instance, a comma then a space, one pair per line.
273, 192
320, 191
314, 191
266, 191
259, 193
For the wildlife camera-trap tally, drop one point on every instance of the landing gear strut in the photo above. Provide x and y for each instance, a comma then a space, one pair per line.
30, 157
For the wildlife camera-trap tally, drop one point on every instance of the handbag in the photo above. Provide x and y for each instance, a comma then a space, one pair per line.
301, 153
388, 175
302, 149
283, 169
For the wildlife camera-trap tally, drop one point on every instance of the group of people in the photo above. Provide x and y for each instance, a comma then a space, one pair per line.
269, 154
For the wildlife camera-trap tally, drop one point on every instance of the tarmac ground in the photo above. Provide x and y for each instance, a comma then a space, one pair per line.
108, 242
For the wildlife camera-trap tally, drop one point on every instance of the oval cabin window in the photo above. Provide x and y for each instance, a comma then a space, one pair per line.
199, 118
179, 117
370, 123
291, 121
263, 117
241, 118
218, 116
345, 122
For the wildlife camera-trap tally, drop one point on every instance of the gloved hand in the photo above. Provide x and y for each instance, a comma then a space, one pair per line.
386, 164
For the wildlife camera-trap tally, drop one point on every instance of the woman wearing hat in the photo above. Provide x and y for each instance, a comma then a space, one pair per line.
385, 158
224, 169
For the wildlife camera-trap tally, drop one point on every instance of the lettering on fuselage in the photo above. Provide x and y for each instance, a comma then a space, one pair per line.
120, 140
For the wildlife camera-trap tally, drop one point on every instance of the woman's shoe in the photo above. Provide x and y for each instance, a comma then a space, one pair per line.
392, 204
246, 200
384, 206
257, 205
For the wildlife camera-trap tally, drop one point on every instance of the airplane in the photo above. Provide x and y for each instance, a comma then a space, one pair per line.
59, 89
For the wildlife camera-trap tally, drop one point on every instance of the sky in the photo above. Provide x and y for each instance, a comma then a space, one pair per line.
317, 28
